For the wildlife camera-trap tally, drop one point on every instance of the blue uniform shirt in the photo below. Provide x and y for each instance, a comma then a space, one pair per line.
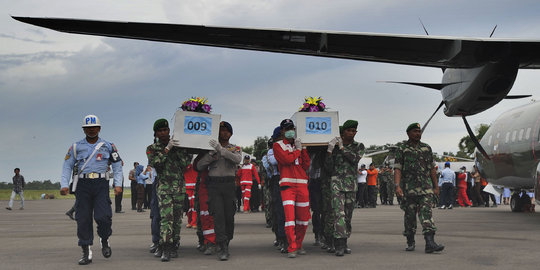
98, 164
447, 176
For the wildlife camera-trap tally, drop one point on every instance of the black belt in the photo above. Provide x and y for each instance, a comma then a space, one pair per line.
221, 179
93, 176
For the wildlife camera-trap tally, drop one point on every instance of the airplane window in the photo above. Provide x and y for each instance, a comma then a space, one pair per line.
507, 137
514, 136
489, 140
528, 134
520, 137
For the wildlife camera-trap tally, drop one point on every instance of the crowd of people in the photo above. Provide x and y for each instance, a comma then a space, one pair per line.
290, 180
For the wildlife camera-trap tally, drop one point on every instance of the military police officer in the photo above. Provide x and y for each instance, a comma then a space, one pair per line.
344, 153
92, 156
416, 182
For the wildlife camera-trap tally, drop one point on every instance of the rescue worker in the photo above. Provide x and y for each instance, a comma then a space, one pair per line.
170, 162
343, 155
92, 156
416, 182
293, 161
246, 173
221, 164
191, 180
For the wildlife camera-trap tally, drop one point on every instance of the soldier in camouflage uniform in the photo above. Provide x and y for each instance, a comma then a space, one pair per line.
416, 182
169, 162
388, 178
342, 165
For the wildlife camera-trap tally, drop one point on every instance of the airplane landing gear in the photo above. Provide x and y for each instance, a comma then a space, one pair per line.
514, 202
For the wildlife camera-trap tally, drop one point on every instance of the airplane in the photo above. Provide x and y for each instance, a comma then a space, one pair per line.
512, 143
477, 73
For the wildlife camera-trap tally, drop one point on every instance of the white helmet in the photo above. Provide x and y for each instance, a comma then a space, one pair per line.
91, 121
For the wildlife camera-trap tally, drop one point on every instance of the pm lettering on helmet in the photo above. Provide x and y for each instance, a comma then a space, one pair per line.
90, 120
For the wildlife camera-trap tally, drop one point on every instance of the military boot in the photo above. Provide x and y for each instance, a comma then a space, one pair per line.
340, 247
159, 251
431, 246
166, 254
346, 247
331, 245
86, 255
284, 245
317, 240
174, 249
210, 249
410, 242
223, 253
105, 248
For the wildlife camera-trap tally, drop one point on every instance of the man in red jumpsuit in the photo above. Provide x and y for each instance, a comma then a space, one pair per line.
463, 200
293, 161
246, 173
190, 175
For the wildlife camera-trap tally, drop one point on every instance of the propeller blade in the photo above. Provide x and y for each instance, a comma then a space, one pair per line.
493, 31
422, 23
517, 96
474, 139
425, 125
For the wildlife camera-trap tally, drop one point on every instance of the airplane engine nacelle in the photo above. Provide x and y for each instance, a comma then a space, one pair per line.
473, 90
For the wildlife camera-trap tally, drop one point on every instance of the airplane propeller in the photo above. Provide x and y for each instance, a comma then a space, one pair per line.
517, 96
439, 107
474, 139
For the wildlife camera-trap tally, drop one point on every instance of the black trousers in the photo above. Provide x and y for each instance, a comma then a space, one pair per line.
133, 195
147, 195
93, 201
361, 195
447, 194
315, 202
118, 201
278, 210
222, 206
255, 200
372, 195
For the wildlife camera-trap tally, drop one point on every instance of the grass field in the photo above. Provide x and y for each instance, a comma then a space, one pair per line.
5, 194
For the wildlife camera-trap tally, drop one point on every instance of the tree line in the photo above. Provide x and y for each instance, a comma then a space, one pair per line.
33, 185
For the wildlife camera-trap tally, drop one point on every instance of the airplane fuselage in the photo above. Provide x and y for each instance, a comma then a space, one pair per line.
473, 90
513, 144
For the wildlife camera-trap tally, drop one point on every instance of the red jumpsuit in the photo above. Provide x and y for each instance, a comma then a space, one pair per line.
246, 174
293, 182
207, 221
462, 190
190, 176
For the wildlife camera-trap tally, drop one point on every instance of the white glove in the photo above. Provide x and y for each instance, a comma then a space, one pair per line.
340, 142
332, 144
171, 143
259, 186
298, 144
214, 144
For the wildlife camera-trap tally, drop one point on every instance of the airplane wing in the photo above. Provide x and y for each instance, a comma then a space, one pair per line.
430, 51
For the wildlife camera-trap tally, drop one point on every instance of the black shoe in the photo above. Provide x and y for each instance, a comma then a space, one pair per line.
9, 208
340, 247
140, 210
154, 247
223, 254
159, 251
105, 248
133, 208
174, 249
86, 257
70, 214
210, 249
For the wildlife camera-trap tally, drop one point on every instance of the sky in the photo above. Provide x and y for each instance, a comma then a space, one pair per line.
50, 80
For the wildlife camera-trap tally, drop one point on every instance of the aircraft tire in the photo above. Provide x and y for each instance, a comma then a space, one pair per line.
514, 202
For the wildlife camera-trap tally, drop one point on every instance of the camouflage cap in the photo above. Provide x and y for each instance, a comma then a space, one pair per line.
161, 123
413, 126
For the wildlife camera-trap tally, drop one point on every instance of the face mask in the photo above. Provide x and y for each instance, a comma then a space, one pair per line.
289, 134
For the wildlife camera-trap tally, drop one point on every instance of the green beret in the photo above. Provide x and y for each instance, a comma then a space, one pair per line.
413, 126
350, 124
161, 123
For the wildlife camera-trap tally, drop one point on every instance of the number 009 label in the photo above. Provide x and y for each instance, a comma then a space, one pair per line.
318, 125
197, 125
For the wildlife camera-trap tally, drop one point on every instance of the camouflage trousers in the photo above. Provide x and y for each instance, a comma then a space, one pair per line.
327, 213
421, 205
343, 206
390, 189
170, 208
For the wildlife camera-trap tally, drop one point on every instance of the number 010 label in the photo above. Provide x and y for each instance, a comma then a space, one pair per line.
197, 125
318, 125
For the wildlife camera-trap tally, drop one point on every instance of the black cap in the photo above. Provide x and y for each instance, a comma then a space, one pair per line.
226, 125
286, 124
247, 157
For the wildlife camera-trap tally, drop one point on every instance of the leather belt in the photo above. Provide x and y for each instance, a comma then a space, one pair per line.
93, 175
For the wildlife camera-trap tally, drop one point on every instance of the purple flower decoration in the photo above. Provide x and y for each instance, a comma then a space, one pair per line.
306, 106
322, 105
313, 109
206, 108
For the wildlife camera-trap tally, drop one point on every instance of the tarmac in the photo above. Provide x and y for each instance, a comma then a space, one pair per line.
42, 237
